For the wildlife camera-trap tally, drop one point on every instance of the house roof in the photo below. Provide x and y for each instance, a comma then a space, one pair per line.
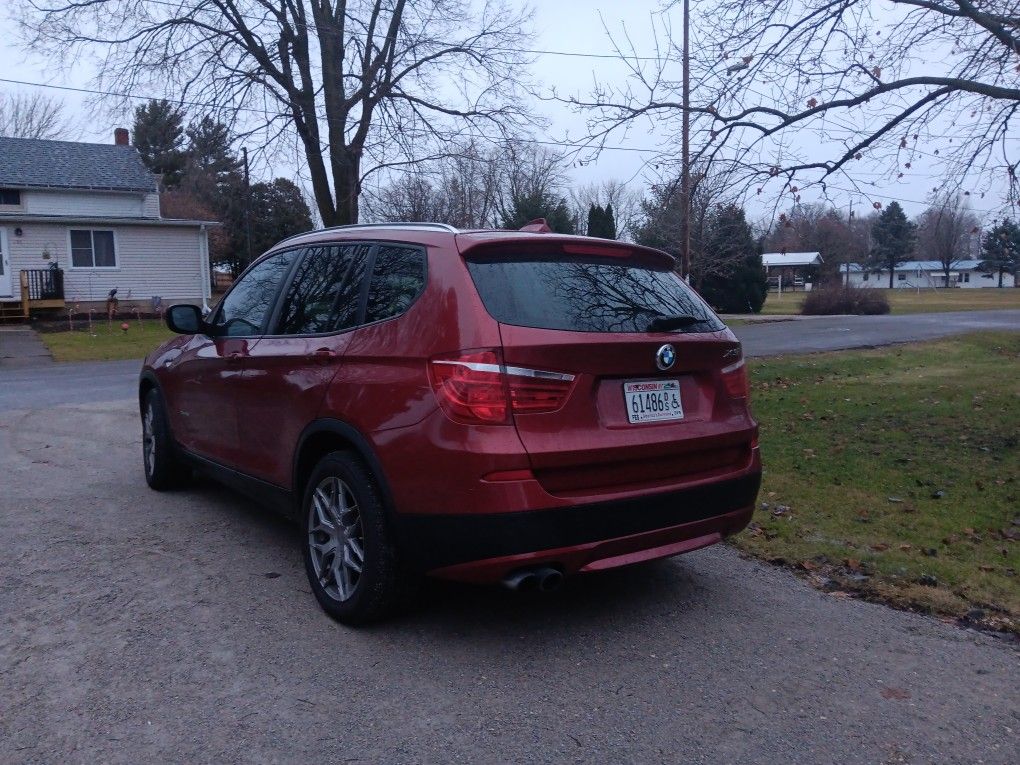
28, 163
921, 265
792, 258
103, 220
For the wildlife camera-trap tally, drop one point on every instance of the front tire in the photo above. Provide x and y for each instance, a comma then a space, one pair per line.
163, 467
350, 557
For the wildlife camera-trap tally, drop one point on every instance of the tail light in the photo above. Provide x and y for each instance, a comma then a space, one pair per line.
734, 378
475, 387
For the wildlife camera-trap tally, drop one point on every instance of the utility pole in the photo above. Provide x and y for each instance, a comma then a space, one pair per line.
850, 236
685, 172
247, 205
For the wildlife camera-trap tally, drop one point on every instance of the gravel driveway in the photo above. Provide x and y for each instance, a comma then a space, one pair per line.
144, 627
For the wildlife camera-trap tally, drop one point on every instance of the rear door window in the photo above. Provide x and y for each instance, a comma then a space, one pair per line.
325, 291
589, 295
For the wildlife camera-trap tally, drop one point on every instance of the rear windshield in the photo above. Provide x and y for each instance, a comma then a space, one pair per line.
589, 295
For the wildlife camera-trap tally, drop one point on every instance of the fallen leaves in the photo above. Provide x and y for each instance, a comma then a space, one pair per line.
897, 694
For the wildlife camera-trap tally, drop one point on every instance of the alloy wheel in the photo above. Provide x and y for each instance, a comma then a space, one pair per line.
149, 440
335, 538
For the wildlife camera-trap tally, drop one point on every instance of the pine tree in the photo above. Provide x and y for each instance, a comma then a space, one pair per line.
159, 137
601, 222
893, 237
1000, 250
538, 205
733, 278
610, 219
209, 149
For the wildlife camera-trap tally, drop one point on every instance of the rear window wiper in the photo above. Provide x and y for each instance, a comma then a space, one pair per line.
676, 321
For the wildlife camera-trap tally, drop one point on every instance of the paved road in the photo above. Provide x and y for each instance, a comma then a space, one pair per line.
25, 387
139, 626
831, 333
179, 627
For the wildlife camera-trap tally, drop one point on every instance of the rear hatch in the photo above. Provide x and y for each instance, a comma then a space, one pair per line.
658, 395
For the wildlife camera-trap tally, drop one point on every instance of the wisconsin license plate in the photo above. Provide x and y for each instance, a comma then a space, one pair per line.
653, 401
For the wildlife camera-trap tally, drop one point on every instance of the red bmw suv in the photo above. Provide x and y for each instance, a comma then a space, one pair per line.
487, 406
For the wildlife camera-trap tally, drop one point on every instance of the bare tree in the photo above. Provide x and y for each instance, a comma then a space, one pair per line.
625, 201
658, 224
364, 85
840, 238
472, 186
24, 115
882, 85
461, 189
945, 231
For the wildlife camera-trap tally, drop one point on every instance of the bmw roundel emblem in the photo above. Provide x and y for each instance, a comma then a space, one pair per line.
665, 357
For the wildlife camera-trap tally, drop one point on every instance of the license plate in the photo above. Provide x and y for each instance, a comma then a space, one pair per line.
653, 401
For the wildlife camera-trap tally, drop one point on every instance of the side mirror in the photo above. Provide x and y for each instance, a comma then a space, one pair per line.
185, 319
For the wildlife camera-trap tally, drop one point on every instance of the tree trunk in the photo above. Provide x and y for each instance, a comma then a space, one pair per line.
1000, 278
346, 168
892, 268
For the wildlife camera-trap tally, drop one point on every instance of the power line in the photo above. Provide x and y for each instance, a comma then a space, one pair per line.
266, 112
499, 49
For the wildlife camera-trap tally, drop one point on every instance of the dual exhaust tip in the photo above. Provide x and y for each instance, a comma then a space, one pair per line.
535, 579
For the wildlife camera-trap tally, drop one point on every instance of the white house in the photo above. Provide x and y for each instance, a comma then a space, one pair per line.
791, 270
924, 274
79, 219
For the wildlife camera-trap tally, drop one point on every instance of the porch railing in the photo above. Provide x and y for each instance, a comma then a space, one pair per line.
42, 284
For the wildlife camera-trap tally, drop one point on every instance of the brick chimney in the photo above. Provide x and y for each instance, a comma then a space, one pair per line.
121, 137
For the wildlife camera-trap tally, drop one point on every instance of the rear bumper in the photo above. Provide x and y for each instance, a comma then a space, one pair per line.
484, 547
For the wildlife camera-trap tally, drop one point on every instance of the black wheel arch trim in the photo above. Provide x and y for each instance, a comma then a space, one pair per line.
148, 376
362, 446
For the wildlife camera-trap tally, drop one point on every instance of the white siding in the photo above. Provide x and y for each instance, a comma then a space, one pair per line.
928, 280
84, 203
150, 205
151, 260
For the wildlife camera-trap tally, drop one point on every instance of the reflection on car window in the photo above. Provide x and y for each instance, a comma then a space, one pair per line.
244, 308
397, 279
323, 296
587, 296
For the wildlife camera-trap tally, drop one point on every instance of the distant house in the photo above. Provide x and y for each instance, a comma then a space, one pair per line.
924, 274
791, 270
80, 219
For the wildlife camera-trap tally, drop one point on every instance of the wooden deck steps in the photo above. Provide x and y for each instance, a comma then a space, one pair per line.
12, 311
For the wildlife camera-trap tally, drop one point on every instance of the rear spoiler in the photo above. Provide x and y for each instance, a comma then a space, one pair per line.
527, 245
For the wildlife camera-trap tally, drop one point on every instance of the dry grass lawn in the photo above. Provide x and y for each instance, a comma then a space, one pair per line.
912, 301
106, 342
895, 473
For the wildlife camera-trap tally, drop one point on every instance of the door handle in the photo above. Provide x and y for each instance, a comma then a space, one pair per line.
322, 355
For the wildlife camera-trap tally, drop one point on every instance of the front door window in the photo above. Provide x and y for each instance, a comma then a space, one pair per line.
245, 309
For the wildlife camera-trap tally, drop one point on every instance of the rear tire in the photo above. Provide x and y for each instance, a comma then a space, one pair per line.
350, 557
163, 467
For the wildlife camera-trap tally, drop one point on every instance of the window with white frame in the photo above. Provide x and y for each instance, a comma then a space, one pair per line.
92, 248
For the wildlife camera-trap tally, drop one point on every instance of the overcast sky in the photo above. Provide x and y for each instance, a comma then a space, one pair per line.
559, 25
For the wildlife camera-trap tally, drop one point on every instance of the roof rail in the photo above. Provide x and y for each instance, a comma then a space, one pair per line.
402, 224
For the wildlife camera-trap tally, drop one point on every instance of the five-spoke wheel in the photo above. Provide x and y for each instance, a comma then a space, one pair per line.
336, 538
350, 555
163, 467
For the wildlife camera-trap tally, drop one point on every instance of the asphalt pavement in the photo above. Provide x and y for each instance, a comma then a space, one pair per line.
145, 627
137, 626
833, 333
22, 386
